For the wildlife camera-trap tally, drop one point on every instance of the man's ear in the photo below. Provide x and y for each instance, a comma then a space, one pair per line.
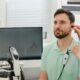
72, 25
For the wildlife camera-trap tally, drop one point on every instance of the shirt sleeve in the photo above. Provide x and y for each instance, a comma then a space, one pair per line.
79, 69
79, 62
44, 59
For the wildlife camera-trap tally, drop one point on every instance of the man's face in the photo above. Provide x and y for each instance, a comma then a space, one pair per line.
62, 26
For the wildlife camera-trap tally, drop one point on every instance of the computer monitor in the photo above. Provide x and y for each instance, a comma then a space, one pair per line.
27, 41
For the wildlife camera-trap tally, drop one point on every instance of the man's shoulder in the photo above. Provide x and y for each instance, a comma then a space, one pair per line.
50, 45
48, 48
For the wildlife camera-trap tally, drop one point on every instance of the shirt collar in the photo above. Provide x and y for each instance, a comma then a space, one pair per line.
69, 48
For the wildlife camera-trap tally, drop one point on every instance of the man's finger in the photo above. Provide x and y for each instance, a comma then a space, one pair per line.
76, 29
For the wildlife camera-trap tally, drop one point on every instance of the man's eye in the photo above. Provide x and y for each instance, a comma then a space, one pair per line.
55, 22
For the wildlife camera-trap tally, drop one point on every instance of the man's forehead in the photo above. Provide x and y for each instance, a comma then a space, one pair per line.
61, 17
61, 14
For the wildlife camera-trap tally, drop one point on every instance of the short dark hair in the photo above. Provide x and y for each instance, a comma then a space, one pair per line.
67, 12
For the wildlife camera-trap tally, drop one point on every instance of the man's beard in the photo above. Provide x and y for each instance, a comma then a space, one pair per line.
63, 35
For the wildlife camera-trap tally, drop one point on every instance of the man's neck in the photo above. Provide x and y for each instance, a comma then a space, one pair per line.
64, 43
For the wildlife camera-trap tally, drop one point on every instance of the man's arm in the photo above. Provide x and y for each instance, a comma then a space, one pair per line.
77, 30
43, 75
76, 51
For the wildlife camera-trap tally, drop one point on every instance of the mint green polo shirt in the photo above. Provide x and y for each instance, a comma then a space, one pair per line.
52, 63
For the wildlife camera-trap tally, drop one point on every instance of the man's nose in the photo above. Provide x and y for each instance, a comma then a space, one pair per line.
57, 25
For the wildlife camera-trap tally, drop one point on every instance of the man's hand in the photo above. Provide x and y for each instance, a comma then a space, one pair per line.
77, 30
43, 75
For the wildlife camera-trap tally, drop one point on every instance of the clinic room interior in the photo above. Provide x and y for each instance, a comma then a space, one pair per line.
26, 27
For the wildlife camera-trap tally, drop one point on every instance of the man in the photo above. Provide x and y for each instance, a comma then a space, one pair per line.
64, 51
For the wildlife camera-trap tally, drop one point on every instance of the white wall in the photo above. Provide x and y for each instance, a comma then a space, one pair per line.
24, 13
52, 8
2, 13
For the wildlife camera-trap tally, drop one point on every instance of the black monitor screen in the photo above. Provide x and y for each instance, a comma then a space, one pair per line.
26, 40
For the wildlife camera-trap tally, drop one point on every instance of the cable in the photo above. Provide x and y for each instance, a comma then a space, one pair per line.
65, 59
61, 72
